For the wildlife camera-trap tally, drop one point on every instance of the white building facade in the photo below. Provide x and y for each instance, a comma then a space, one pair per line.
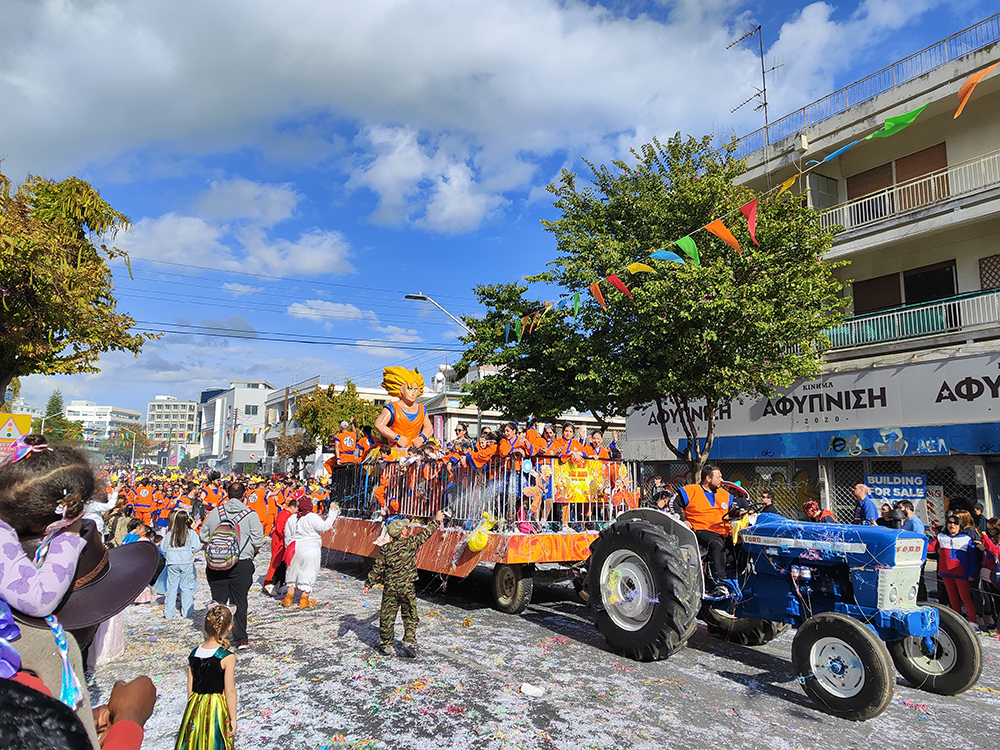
101, 422
232, 425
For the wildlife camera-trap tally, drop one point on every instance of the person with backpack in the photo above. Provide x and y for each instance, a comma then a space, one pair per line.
232, 535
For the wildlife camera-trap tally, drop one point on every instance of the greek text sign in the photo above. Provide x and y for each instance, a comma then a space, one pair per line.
890, 488
953, 391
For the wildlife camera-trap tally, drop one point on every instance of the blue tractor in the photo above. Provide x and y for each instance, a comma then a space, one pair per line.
851, 592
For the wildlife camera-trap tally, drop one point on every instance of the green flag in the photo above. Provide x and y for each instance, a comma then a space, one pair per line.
894, 124
576, 305
518, 327
690, 249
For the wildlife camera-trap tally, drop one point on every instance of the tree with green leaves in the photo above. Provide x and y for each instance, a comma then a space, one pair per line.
695, 335
322, 411
58, 311
297, 446
53, 424
120, 443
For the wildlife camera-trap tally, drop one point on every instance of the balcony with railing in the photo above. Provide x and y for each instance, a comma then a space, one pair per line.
937, 187
976, 37
964, 313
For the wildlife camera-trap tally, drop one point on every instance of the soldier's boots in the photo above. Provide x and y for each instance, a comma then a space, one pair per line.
410, 649
386, 649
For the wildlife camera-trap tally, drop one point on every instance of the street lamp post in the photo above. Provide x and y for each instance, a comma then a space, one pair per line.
421, 297
132, 433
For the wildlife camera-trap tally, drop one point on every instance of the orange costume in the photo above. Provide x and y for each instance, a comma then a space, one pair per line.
261, 502
348, 448
403, 421
144, 504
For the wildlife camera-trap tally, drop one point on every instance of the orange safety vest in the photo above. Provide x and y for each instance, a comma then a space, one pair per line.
701, 514
348, 447
407, 425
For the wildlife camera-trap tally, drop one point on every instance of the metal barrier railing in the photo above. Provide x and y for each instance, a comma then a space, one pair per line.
964, 313
520, 495
935, 187
974, 38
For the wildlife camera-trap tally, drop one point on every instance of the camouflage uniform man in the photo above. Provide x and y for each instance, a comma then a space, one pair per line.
396, 569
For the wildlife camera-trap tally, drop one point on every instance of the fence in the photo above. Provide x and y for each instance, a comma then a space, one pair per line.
955, 475
951, 182
511, 490
961, 313
974, 38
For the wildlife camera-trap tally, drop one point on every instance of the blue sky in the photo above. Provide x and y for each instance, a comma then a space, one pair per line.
293, 169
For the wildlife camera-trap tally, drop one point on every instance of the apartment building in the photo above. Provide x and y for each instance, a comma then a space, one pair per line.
101, 422
911, 387
171, 420
232, 425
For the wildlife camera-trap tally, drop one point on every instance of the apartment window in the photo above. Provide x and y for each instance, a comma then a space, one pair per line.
880, 293
929, 283
249, 437
250, 409
823, 192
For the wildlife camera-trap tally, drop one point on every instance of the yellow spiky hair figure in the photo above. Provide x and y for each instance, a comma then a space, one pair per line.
395, 377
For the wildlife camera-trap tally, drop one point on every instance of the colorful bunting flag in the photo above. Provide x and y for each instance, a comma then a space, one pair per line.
619, 285
690, 249
576, 305
750, 211
965, 93
506, 333
667, 255
641, 268
562, 303
893, 125
518, 329
787, 184
840, 150
533, 321
595, 289
719, 230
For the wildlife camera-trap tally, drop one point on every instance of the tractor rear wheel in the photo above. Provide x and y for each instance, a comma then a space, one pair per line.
746, 631
954, 663
843, 666
644, 588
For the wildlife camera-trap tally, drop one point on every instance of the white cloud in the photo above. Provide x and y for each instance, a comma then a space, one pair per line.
328, 313
240, 198
448, 97
237, 289
193, 240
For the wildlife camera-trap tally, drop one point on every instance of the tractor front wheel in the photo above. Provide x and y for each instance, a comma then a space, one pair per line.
843, 666
950, 666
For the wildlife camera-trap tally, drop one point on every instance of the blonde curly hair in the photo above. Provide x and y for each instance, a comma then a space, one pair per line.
395, 377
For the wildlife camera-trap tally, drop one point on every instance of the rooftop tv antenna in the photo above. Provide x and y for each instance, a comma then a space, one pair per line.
760, 95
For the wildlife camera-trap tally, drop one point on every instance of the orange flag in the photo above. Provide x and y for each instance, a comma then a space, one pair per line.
533, 321
595, 289
969, 86
719, 230
619, 285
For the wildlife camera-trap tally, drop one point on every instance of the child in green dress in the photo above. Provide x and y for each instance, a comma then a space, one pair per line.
209, 721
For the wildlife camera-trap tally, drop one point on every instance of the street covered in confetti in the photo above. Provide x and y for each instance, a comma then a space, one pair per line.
313, 679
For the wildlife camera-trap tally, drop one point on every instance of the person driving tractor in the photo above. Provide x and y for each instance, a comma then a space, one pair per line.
704, 508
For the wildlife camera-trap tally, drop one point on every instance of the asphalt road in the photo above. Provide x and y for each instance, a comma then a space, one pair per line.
314, 680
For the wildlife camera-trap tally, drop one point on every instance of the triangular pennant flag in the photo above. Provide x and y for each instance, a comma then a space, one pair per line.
690, 249
562, 303
787, 184
619, 285
595, 289
893, 125
533, 321
518, 328
576, 304
750, 211
548, 306
506, 333
840, 150
719, 230
965, 93
640, 268
667, 255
